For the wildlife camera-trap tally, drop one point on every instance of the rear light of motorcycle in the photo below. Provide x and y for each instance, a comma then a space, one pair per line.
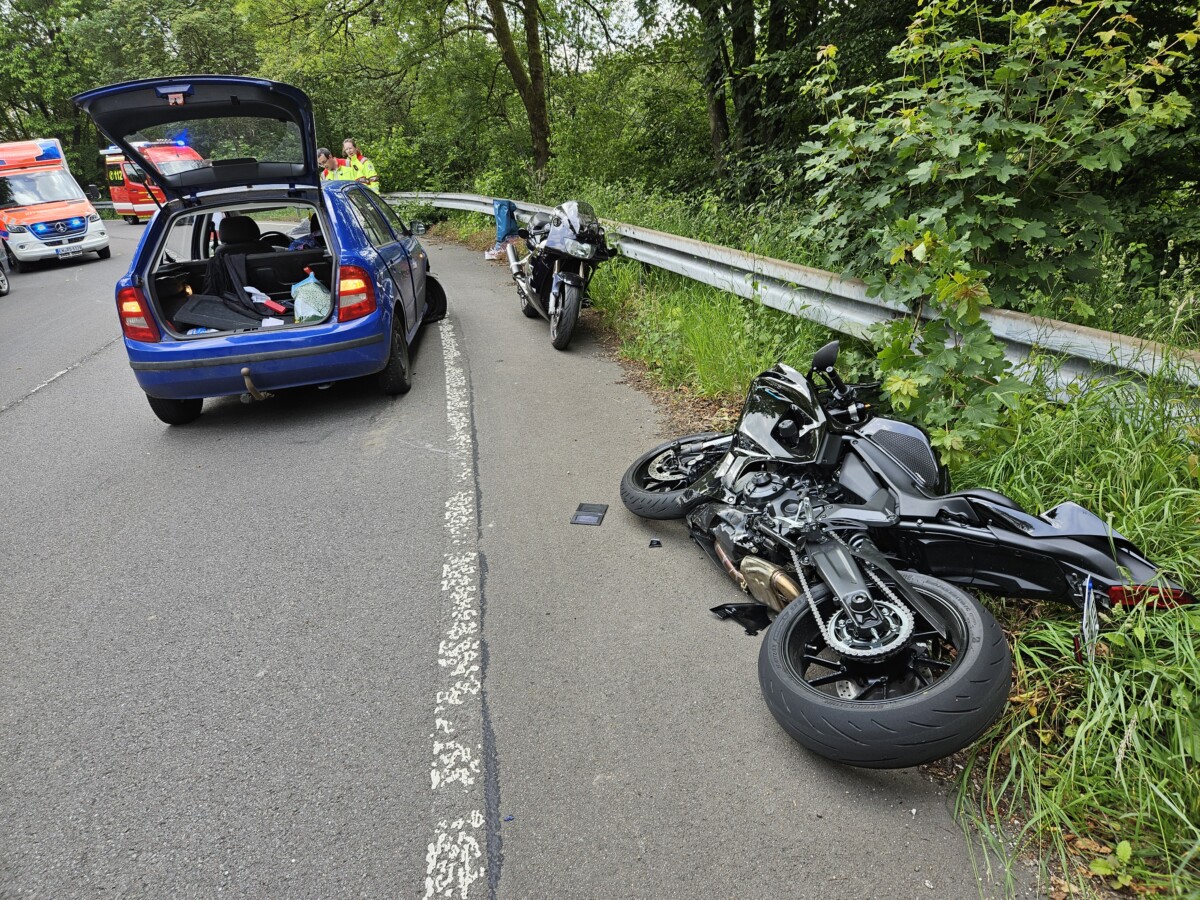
356, 294
136, 321
1148, 595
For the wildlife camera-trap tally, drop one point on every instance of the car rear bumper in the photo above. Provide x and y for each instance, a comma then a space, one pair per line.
212, 367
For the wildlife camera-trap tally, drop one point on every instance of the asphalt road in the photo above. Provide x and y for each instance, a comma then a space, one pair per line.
336, 645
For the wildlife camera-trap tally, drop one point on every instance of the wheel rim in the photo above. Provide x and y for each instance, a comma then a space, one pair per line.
672, 470
926, 658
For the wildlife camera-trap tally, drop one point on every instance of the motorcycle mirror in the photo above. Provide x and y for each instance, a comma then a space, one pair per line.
826, 357
523, 233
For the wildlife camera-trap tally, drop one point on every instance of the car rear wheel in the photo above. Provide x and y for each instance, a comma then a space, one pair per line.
396, 377
435, 301
132, 220
176, 412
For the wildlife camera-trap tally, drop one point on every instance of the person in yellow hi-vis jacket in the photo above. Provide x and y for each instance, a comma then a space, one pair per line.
332, 168
360, 167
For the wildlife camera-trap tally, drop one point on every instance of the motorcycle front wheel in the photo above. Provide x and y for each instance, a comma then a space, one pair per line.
562, 321
653, 486
934, 696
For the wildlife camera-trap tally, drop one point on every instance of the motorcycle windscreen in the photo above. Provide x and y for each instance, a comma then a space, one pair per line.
574, 222
782, 417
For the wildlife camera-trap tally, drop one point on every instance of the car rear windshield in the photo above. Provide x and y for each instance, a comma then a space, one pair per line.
228, 139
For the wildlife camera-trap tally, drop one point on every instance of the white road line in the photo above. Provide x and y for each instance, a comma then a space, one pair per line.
457, 856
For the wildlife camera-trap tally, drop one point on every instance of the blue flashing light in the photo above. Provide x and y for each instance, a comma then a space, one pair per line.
76, 222
41, 228
49, 151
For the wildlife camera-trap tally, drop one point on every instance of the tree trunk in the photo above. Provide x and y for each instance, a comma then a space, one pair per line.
531, 82
714, 81
746, 97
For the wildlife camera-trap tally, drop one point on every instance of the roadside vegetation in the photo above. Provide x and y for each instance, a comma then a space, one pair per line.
1042, 157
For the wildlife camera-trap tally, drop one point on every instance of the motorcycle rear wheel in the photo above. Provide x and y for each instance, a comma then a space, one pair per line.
527, 308
562, 322
944, 693
653, 486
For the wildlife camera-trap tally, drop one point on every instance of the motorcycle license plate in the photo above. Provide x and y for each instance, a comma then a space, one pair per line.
1089, 626
68, 252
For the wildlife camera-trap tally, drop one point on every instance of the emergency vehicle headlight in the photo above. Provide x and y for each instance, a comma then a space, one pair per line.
41, 228
76, 222
17, 229
94, 217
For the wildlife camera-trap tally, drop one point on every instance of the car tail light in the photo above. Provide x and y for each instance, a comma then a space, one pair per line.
136, 321
1148, 595
356, 294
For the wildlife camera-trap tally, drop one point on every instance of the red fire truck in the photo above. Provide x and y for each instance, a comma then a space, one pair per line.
131, 196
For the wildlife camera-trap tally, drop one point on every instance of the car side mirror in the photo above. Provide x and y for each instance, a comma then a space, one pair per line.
523, 233
93, 192
137, 176
417, 227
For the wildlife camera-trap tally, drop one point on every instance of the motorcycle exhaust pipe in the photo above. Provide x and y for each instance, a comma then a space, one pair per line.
514, 264
768, 583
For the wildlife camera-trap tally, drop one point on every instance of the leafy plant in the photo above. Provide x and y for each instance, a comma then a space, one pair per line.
970, 179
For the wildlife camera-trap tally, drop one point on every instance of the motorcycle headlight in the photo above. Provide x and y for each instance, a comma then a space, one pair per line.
580, 249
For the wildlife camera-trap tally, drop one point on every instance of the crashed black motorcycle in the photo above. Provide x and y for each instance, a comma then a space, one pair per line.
841, 526
565, 246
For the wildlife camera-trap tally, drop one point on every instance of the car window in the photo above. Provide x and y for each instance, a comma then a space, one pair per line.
399, 229
369, 218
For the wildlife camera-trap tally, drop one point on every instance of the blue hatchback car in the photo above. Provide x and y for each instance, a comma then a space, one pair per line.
220, 298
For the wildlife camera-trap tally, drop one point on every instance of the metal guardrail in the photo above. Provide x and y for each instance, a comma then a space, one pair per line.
842, 303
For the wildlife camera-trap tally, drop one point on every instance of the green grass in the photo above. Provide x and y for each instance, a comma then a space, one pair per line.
1110, 751
695, 337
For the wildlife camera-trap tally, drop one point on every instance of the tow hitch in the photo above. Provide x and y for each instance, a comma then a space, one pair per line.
251, 391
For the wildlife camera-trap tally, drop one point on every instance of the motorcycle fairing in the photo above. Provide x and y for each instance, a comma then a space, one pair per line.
773, 401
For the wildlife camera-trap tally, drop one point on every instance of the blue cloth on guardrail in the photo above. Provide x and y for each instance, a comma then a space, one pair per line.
506, 219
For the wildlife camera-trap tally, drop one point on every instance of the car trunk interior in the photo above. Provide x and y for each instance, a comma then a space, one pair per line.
207, 295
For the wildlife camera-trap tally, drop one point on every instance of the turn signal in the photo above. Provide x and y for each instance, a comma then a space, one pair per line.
136, 321
356, 293
1148, 595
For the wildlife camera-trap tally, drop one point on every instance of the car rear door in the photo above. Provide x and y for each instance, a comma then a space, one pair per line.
412, 247
393, 254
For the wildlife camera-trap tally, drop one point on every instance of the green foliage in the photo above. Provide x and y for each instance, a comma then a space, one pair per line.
57, 48
1107, 751
968, 179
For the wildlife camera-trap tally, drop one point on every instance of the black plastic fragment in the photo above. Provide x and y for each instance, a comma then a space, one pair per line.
754, 617
655, 542
589, 514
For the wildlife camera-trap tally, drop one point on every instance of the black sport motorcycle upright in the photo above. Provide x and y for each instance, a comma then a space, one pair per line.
565, 246
841, 527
